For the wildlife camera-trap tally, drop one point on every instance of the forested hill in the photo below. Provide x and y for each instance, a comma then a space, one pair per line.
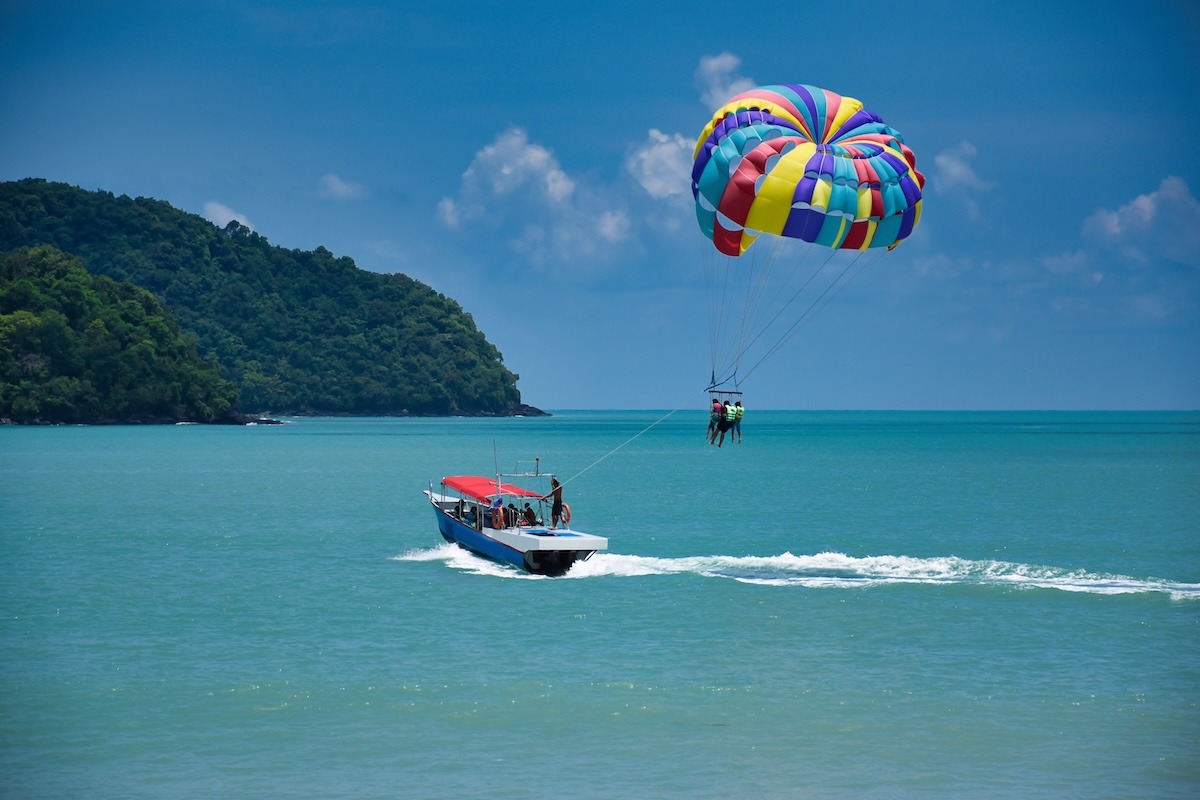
77, 347
295, 331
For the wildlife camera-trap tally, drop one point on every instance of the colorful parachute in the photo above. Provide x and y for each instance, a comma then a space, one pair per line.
805, 163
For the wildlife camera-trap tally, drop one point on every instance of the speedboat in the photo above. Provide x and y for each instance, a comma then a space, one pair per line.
500, 520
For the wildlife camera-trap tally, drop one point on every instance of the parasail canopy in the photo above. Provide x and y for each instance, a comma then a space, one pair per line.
806, 163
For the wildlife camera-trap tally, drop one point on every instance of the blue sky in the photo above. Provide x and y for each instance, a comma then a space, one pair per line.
531, 160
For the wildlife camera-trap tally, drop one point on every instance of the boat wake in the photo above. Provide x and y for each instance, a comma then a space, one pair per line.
458, 558
833, 571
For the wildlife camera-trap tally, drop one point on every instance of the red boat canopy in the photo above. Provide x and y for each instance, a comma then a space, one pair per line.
480, 488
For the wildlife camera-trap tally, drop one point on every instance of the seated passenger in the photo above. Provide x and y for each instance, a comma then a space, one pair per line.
530, 518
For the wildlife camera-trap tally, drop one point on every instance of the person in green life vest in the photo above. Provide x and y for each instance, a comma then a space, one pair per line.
739, 412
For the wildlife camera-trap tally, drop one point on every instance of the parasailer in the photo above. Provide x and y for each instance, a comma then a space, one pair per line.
800, 163
715, 412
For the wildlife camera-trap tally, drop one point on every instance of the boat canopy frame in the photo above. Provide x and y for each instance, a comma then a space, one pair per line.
482, 489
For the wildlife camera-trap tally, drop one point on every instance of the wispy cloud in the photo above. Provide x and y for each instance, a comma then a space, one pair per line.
1164, 224
1138, 262
320, 26
955, 175
333, 186
221, 214
955, 171
718, 79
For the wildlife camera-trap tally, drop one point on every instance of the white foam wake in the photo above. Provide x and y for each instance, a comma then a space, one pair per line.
834, 570
458, 558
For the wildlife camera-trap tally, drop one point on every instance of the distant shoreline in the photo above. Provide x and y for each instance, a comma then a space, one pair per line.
270, 418
521, 410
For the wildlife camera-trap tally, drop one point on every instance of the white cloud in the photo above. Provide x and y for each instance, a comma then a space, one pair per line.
448, 213
515, 184
391, 251
1069, 263
1136, 263
956, 176
613, 226
942, 266
718, 79
954, 170
512, 163
222, 215
662, 165
338, 189
1164, 224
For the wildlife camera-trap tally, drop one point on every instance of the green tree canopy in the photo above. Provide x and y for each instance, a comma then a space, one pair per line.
296, 331
77, 347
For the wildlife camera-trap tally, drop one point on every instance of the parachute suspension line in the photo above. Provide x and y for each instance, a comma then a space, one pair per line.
727, 273
836, 287
807, 315
787, 304
757, 291
798, 264
618, 447
717, 291
745, 270
762, 298
710, 301
729, 268
749, 278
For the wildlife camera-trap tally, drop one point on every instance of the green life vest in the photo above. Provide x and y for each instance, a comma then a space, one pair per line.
741, 411
730, 413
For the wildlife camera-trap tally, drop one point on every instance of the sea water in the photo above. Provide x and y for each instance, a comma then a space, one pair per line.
843, 605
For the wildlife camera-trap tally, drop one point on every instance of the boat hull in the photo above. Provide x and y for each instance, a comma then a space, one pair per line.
539, 551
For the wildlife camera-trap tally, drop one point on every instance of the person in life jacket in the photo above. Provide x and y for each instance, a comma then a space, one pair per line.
739, 412
715, 413
727, 421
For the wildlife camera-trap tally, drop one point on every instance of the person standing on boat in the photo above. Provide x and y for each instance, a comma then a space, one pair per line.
556, 509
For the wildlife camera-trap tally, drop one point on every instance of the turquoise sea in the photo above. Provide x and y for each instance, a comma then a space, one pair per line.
846, 605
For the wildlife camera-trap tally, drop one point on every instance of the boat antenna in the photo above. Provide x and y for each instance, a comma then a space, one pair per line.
496, 464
